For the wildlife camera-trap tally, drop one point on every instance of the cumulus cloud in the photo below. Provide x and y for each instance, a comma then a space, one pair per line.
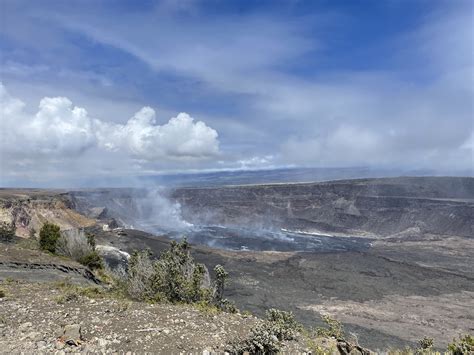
180, 138
61, 129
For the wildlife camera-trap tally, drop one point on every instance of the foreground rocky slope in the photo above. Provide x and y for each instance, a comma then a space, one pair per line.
48, 318
76, 315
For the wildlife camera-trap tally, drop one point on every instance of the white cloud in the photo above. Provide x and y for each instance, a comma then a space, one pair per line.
60, 130
180, 138
59, 127
257, 162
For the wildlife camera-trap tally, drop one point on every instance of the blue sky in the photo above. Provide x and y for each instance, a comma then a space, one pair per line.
260, 84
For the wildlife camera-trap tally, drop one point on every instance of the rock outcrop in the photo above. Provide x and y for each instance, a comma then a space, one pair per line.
29, 209
374, 207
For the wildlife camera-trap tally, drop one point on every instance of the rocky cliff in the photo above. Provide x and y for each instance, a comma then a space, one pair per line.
375, 207
29, 209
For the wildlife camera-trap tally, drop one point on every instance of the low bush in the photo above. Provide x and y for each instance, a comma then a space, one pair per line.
334, 328
2, 293
267, 337
463, 345
177, 278
284, 323
92, 260
49, 236
425, 343
7, 231
78, 245
174, 277
72, 293
137, 279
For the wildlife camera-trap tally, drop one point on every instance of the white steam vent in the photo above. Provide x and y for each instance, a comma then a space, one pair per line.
160, 213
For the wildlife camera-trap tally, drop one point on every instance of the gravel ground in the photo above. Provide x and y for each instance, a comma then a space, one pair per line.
45, 318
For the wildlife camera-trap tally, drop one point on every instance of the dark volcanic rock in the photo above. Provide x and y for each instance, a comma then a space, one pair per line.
379, 207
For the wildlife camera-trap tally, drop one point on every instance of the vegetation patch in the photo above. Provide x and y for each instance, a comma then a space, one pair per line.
74, 244
7, 231
79, 246
267, 337
463, 345
71, 292
425, 343
174, 277
49, 236
333, 328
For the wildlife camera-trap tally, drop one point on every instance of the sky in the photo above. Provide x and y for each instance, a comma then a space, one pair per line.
92, 90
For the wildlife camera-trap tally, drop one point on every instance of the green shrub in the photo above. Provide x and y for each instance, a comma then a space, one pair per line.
137, 283
284, 324
7, 231
267, 337
2, 293
227, 306
174, 277
262, 340
219, 283
92, 260
425, 343
78, 245
464, 345
334, 328
49, 236
177, 278
218, 290
91, 240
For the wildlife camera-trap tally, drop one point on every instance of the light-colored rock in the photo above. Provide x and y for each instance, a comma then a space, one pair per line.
23, 327
72, 334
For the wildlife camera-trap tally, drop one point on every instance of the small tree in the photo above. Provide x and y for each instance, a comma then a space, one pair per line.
7, 231
91, 240
218, 290
219, 284
140, 273
49, 236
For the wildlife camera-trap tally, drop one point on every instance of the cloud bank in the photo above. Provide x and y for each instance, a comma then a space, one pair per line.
60, 130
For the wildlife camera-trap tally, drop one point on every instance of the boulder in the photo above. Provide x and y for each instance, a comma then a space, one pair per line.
72, 334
